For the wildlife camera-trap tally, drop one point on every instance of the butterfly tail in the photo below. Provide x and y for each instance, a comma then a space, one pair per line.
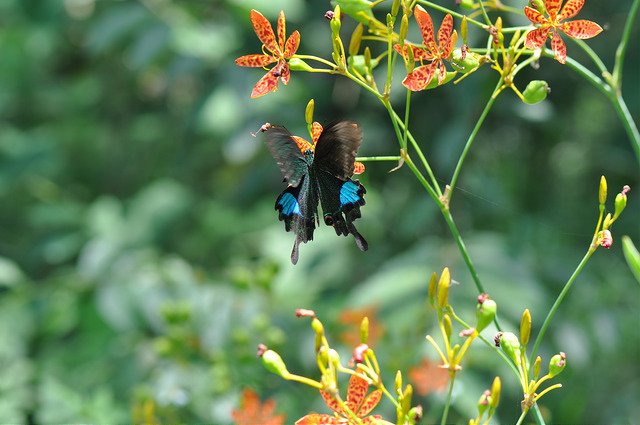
295, 251
360, 241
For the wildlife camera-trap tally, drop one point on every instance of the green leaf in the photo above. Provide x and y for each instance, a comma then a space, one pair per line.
632, 255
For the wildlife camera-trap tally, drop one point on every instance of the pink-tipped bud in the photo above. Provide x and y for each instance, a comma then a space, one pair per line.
557, 363
264, 127
303, 312
605, 239
359, 352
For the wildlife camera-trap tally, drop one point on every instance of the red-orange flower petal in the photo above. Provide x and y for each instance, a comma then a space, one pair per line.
441, 71
448, 48
419, 54
281, 31
253, 411
303, 145
534, 16
537, 38
419, 77
581, 29
444, 33
356, 392
358, 167
426, 26
264, 31
255, 61
293, 42
570, 9
369, 403
552, 6
319, 419
284, 71
331, 402
375, 420
559, 48
266, 84
316, 131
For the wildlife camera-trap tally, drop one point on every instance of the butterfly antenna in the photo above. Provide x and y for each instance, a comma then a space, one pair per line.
264, 127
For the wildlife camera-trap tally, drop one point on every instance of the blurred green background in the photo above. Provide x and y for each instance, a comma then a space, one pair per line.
141, 259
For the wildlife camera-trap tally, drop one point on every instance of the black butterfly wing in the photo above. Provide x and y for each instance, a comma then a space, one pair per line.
287, 154
298, 208
336, 149
341, 201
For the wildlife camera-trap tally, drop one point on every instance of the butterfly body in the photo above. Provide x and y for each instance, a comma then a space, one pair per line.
319, 175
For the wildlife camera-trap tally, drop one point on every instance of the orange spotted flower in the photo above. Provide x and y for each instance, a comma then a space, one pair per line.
252, 411
276, 51
580, 28
358, 402
420, 77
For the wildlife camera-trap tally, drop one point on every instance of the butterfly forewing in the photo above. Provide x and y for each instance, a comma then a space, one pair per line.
287, 154
336, 148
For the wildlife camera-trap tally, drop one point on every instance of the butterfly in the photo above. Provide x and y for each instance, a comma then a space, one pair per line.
319, 173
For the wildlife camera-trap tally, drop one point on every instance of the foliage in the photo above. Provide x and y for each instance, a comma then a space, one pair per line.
141, 260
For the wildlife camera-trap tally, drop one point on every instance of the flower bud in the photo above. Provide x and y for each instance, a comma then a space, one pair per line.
495, 392
406, 397
485, 313
602, 191
463, 29
335, 26
511, 347
468, 4
415, 414
358, 63
608, 221
364, 330
605, 239
433, 281
621, 201
446, 322
557, 364
297, 64
391, 20
317, 327
483, 402
435, 83
525, 327
536, 367
464, 63
443, 288
395, 7
404, 27
274, 363
538, 5
536, 91
367, 58
398, 383
303, 312
333, 357
356, 40
308, 117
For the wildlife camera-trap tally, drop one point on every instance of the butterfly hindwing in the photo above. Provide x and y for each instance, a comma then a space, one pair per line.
298, 208
287, 154
336, 148
341, 201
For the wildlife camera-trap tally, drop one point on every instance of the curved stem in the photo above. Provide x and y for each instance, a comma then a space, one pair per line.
448, 402
593, 55
627, 121
557, 303
472, 136
622, 47
451, 12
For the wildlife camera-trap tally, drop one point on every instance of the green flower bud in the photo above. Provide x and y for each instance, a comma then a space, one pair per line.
335, 23
356, 40
495, 392
511, 347
446, 322
367, 58
621, 201
395, 7
536, 91
404, 27
538, 5
468, 4
398, 383
317, 327
463, 29
536, 367
358, 63
557, 364
297, 64
525, 327
464, 63
434, 83
483, 402
415, 415
333, 357
602, 190
485, 312
443, 288
308, 112
433, 282
274, 363
608, 221
391, 20
364, 330
406, 397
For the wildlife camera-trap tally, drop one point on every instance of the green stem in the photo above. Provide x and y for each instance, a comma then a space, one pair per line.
452, 13
557, 303
407, 108
593, 55
377, 158
627, 121
522, 416
472, 136
622, 47
537, 415
448, 402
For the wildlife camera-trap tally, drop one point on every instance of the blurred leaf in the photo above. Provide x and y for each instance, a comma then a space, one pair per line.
632, 256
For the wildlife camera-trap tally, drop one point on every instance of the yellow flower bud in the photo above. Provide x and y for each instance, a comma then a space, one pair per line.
364, 330
525, 327
443, 288
308, 113
356, 40
602, 191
